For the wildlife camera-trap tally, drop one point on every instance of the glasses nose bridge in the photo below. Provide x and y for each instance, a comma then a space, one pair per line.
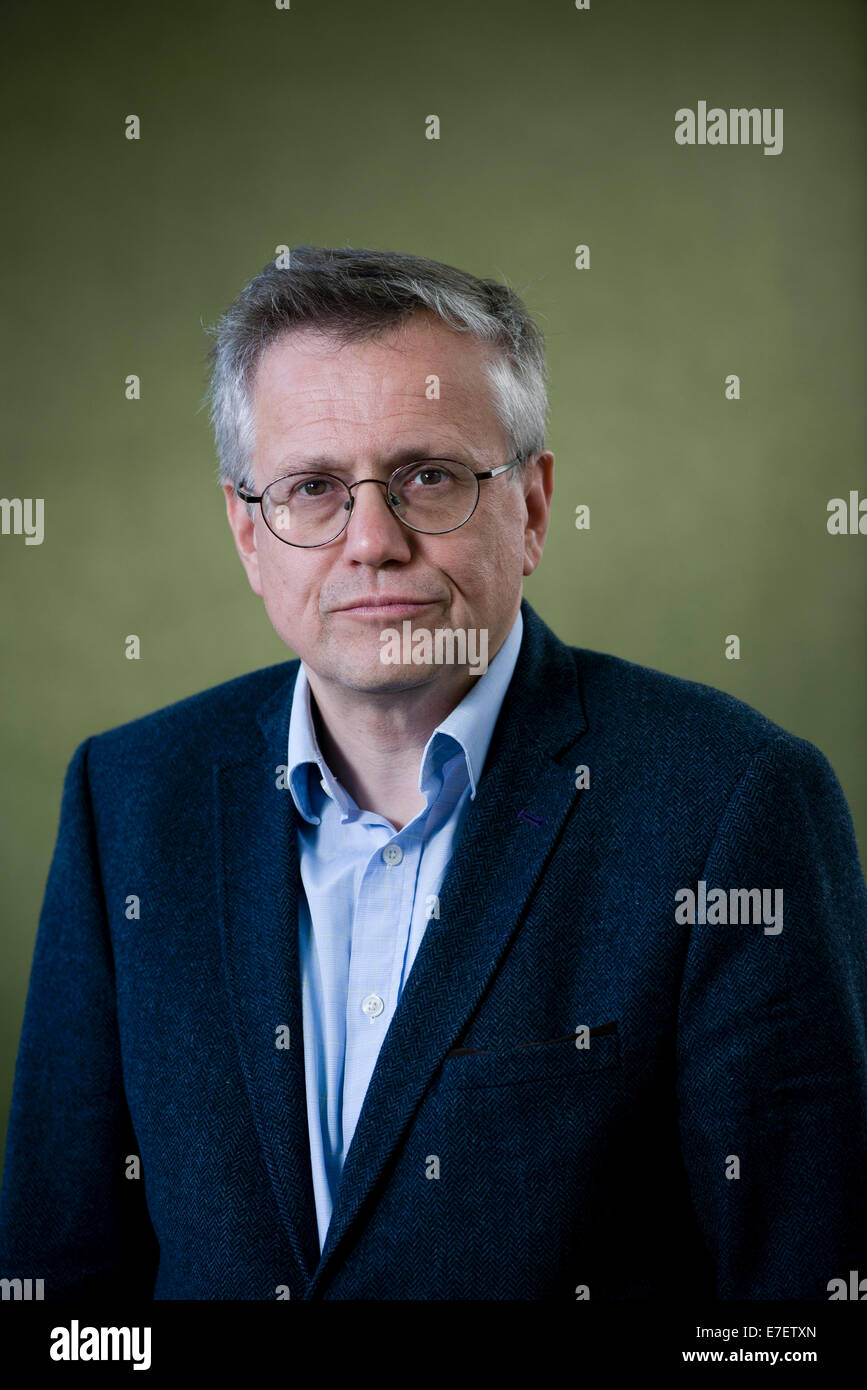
382, 483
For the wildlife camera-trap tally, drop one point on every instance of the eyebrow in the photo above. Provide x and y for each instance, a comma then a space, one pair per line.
330, 463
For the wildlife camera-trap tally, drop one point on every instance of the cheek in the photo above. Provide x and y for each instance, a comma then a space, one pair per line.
273, 573
490, 551
276, 563
290, 583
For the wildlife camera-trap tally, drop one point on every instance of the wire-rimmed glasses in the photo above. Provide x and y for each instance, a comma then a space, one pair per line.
432, 496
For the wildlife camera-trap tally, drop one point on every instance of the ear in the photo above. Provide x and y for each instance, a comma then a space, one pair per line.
244, 529
538, 490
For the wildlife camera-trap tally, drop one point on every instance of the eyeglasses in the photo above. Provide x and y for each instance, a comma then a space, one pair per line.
432, 496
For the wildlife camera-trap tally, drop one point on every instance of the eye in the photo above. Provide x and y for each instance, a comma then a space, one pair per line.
431, 475
319, 484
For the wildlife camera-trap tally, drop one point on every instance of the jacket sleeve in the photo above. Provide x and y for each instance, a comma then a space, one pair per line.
771, 1039
69, 1215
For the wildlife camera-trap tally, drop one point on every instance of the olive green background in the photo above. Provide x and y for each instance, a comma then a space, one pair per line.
263, 126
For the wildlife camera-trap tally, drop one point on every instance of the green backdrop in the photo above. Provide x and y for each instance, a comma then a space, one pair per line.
262, 126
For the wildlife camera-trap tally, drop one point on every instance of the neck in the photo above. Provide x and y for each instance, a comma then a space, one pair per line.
373, 741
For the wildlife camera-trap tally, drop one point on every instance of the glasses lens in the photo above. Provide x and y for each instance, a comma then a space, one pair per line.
306, 508
434, 494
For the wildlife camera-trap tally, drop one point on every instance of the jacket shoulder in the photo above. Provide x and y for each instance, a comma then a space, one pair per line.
203, 724
666, 712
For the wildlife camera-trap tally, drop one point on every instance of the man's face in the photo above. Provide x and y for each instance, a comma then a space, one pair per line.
365, 406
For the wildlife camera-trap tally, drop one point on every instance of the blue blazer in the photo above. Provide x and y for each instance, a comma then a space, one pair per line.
709, 1140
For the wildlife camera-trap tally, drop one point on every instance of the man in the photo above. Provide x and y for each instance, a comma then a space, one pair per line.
461, 967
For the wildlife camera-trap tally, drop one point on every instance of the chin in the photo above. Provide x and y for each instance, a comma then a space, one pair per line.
386, 678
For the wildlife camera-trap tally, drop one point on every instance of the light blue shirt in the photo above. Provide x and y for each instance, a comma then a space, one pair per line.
369, 892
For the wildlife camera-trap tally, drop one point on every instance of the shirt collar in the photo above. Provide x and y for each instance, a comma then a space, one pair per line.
467, 730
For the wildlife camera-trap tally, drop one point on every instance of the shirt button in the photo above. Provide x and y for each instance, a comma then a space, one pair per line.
392, 854
372, 1005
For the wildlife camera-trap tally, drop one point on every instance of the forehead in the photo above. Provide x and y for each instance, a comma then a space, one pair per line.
419, 373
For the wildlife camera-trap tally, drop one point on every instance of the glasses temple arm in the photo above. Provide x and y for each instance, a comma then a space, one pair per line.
493, 472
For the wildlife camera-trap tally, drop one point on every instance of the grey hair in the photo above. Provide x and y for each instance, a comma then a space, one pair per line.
356, 294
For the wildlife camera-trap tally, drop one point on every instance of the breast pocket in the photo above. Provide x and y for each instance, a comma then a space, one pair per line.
532, 1061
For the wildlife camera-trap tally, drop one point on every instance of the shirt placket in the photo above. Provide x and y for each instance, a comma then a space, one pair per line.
380, 932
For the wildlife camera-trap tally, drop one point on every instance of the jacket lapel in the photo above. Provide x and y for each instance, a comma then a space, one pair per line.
495, 866
257, 868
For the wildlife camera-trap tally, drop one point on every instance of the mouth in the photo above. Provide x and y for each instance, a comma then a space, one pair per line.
395, 608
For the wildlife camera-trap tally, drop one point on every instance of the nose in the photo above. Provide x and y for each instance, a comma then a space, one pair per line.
374, 533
